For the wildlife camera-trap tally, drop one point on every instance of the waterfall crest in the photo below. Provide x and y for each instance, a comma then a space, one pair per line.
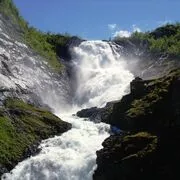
101, 73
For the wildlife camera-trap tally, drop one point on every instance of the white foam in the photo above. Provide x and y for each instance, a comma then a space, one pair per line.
71, 156
5, 35
101, 73
5, 82
20, 44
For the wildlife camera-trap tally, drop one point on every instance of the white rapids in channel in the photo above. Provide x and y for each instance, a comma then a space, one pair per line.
101, 76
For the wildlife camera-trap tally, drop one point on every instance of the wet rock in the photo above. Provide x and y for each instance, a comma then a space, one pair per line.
88, 113
97, 114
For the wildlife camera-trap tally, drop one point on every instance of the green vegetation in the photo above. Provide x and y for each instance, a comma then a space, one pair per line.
163, 40
158, 92
8, 8
22, 125
12, 142
144, 141
47, 45
151, 103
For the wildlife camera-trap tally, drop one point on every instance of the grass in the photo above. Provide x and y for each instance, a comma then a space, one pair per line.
22, 125
12, 142
158, 91
143, 141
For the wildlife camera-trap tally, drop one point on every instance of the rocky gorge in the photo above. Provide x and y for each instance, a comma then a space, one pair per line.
44, 77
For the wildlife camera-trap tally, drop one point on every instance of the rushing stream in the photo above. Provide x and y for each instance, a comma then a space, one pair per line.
100, 76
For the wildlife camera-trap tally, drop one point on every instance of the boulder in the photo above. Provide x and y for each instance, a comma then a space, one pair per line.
87, 113
97, 114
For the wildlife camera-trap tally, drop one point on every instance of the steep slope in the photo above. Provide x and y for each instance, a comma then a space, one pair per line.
53, 47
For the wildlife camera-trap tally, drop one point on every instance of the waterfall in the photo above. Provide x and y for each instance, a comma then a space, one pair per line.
100, 75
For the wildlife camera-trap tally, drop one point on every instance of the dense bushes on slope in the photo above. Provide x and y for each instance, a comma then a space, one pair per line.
48, 45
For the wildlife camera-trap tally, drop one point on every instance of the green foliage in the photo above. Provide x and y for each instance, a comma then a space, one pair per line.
12, 142
38, 41
158, 91
57, 39
46, 44
167, 30
144, 142
8, 8
165, 39
21, 125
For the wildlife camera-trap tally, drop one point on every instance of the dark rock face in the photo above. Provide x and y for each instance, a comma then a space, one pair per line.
137, 87
97, 114
150, 149
74, 41
120, 155
144, 63
176, 101
64, 51
87, 113
140, 156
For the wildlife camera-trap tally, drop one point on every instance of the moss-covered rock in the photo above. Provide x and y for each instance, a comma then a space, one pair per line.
22, 127
151, 104
140, 156
125, 156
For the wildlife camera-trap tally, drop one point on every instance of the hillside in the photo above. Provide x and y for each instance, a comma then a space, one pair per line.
49, 45
164, 40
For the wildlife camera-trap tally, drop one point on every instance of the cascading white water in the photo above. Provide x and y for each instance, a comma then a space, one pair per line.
101, 76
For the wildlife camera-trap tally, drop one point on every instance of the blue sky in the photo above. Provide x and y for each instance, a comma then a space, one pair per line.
98, 19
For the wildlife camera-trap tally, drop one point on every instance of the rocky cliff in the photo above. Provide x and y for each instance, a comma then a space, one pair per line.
149, 146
